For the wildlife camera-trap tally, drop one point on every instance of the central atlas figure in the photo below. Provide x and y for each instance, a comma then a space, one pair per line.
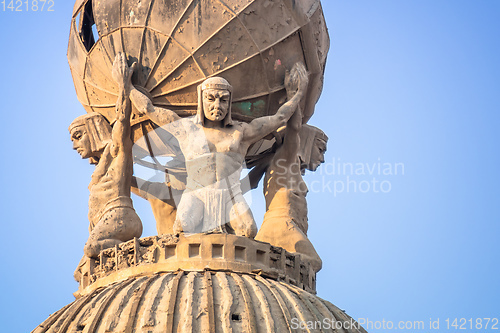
214, 147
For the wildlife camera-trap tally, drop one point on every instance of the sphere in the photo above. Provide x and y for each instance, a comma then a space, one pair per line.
179, 43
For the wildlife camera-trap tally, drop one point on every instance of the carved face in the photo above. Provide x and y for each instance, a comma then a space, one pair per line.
317, 154
215, 104
81, 141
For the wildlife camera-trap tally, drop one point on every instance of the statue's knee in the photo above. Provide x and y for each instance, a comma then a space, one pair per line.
251, 230
246, 226
91, 249
136, 228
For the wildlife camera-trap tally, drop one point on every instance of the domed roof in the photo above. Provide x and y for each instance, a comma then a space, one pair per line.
196, 283
197, 302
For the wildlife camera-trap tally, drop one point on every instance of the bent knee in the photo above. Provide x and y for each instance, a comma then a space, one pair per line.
245, 226
92, 249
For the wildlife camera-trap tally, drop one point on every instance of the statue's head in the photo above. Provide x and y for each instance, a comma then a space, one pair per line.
214, 101
90, 133
312, 147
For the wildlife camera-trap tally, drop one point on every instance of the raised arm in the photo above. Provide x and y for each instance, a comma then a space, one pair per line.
122, 74
289, 150
262, 126
144, 106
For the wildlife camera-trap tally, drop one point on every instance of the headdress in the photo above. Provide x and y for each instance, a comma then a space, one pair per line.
219, 84
308, 135
97, 128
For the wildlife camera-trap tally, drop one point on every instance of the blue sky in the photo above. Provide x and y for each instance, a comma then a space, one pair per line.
408, 82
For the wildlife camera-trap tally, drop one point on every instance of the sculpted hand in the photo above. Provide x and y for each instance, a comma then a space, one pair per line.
296, 80
122, 73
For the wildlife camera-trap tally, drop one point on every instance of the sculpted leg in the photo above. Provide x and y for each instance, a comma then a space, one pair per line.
116, 226
189, 214
164, 214
241, 219
283, 232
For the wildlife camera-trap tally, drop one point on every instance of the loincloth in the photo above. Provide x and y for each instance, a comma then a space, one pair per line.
217, 202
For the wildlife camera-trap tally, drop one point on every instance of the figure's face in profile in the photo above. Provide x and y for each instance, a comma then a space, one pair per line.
317, 154
81, 141
215, 104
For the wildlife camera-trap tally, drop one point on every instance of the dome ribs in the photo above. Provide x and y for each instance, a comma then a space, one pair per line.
311, 310
120, 307
210, 301
263, 307
74, 310
80, 322
316, 303
136, 300
249, 314
96, 320
223, 300
146, 319
196, 301
49, 322
339, 315
281, 300
169, 324
296, 303
185, 304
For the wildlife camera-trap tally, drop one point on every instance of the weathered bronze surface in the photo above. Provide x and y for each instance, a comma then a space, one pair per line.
179, 43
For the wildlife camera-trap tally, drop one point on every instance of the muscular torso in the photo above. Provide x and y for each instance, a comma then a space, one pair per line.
285, 191
213, 156
109, 181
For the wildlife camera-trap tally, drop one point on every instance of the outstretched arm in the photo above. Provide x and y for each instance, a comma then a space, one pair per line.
260, 127
122, 74
289, 150
144, 105
146, 189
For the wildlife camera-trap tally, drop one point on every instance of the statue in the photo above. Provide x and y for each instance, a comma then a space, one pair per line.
163, 197
285, 222
112, 217
214, 148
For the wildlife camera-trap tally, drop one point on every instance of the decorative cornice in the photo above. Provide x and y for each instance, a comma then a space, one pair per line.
195, 253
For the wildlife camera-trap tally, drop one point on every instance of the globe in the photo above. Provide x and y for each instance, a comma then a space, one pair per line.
179, 43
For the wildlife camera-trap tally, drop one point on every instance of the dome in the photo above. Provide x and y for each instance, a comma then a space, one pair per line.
179, 43
197, 283
197, 302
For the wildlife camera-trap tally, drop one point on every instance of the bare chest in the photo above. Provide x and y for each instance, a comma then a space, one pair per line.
201, 140
222, 140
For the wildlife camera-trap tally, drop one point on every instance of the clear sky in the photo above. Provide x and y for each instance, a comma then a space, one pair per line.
412, 86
